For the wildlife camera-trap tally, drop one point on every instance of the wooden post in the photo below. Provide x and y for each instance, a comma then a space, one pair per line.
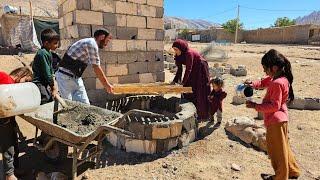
31, 12
237, 26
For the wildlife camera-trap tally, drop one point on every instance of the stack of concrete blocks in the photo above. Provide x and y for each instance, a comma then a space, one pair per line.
240, 71
218, 71
154, 134
135, 54
170, 63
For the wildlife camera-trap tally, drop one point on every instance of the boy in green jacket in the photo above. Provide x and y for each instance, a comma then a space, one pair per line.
43, 73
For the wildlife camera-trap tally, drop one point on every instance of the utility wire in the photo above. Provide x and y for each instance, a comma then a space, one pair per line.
222, 12
288, 10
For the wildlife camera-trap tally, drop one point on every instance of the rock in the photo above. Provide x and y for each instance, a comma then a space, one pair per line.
242, 71
235, 167
84, 176
165, 165
312, 104
297, 103
299, 127
175, 168
236, 100
247, 131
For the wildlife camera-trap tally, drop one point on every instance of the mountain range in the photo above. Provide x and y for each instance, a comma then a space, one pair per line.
181, 23
313, 18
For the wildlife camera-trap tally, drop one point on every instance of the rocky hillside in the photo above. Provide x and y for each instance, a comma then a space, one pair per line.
181, 23
46, 8
313, 18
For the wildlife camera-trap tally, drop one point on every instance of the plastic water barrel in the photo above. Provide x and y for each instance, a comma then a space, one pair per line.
17, 99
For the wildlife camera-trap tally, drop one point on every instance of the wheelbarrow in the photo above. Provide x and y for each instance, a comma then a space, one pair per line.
60, 137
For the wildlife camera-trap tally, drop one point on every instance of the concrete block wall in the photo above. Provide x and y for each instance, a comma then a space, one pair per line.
298, 34
135, 55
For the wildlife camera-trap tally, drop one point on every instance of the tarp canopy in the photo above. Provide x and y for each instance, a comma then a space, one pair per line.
41, 24
25, 32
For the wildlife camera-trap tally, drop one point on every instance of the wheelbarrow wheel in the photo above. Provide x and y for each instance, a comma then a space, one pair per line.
57, 152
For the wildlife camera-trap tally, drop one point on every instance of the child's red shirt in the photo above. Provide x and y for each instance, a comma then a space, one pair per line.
273, 107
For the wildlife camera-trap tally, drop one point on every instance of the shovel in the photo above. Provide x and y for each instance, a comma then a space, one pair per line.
65, 107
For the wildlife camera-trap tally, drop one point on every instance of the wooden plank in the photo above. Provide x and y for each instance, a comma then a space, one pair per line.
155, 88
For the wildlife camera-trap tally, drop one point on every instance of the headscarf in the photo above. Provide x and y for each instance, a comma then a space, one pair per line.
182, 45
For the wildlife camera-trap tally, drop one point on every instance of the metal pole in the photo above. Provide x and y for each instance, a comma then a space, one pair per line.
237, 26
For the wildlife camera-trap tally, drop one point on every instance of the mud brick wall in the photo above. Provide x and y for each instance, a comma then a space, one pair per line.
135, 55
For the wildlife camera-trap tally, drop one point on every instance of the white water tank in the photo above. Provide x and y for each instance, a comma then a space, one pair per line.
17, 99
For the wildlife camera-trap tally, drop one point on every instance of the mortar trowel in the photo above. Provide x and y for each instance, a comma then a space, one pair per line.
65, 107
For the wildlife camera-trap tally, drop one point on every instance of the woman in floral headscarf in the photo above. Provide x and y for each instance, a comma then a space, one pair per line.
196, 76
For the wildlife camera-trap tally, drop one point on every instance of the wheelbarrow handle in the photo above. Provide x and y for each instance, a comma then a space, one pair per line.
118, 130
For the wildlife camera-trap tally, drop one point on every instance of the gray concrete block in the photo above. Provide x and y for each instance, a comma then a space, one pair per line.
138, 129
127, 57
127, 33
297, 103
186, 138
83, 5
133, 78
159, 12
160, 76
166, 144
138, 67
108, 57
84, 30
159, 35
236, 100
189, 123
146, 56
111, 29
155, 66
109, 19
159, 56
312, 104
140, 146
238, 72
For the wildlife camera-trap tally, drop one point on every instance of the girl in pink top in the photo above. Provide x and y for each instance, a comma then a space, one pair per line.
274, 108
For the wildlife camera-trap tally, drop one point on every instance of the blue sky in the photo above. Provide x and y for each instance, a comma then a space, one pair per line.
253, 13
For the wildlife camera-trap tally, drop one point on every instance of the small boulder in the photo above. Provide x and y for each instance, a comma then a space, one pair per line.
235, 167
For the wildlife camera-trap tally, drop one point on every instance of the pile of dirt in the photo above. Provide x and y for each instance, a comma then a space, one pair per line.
83, 119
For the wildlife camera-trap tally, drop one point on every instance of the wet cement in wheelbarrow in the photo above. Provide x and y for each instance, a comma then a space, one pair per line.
84, 119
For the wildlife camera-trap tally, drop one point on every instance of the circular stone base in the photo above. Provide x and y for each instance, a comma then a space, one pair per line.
158, 124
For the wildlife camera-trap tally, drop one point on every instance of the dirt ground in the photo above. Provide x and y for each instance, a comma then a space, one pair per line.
212, 156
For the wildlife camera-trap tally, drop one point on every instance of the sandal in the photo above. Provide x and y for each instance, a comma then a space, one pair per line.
266, 176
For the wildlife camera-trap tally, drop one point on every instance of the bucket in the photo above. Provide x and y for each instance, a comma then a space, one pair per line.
17, 99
